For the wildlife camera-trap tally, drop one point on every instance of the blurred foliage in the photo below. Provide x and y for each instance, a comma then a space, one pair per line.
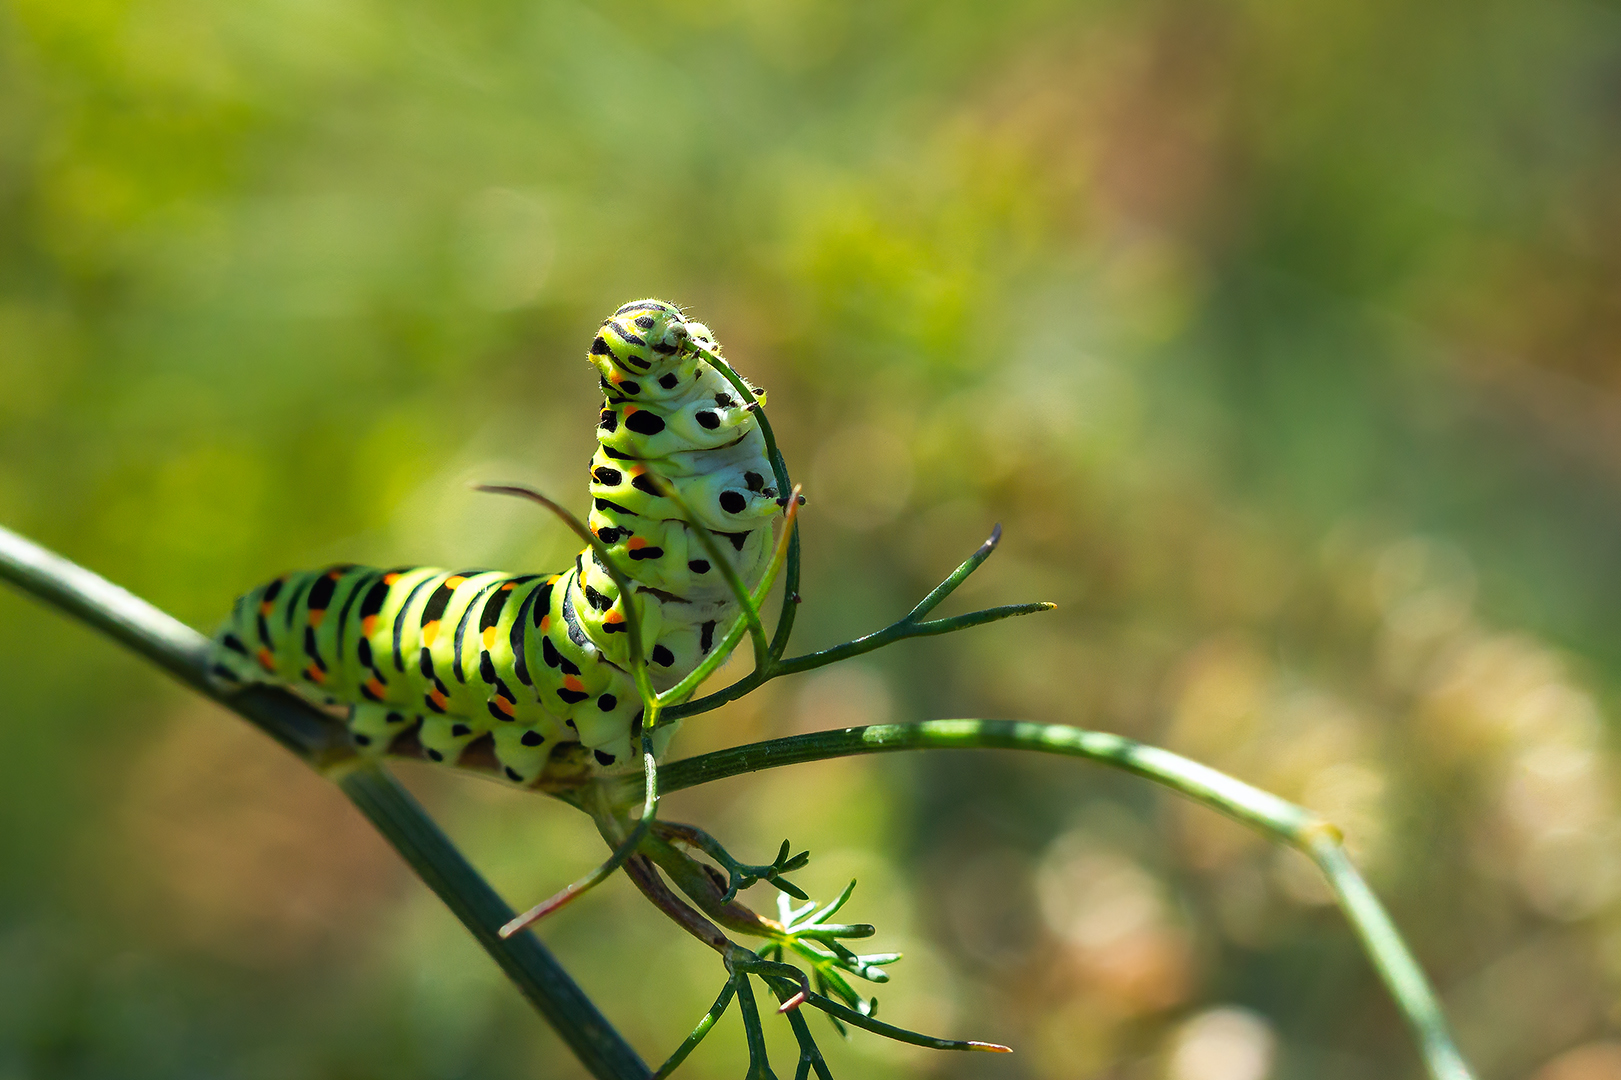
1282, 339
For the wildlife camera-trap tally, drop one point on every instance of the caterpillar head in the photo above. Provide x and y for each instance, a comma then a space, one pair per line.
643, 341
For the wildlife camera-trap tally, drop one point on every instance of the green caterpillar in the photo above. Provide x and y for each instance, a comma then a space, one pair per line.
541, 661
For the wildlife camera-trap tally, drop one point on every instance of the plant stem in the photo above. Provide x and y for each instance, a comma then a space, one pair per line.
714, 1014
1278, 818
1390, 955
407, 826
322, 741
908, 626
785, 487
754, 1034
899, 631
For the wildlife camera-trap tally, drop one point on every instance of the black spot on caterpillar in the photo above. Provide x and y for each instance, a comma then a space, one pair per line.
644, 422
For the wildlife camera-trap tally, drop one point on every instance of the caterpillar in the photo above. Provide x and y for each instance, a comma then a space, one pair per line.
539, 662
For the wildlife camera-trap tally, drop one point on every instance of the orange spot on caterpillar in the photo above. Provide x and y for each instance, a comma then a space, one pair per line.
615, 378
489, 637
316, 615
509, 586
368, 624
334, 574
503, 704
545, 622
437, 698
572, 683
267, 607
389, 579
636, 543
430, 631
630, 410
613, 617
315, 674
266, 661
375, 685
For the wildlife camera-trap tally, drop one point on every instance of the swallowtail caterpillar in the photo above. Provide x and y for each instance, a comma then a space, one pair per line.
540, 662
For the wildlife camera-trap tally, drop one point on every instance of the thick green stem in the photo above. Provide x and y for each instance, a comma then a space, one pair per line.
323, 742
1265, 812
526, 961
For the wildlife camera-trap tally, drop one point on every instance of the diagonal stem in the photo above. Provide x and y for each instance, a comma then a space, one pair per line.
957, 576
909, 626
322, 742
621, 853
525, 960
901, 630
708, 1022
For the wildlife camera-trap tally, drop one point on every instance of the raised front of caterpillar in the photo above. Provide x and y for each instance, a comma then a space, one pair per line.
539, 661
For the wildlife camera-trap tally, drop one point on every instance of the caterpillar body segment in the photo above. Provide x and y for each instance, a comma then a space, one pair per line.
538, 661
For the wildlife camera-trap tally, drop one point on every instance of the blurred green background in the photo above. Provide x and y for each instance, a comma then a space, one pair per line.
1281, 337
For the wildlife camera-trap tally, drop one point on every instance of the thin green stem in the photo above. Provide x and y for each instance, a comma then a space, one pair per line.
704, 1026
1261, 810
901, 630
909, 626
810, 1055
718, 655
1395, 963
740, 591
1215, 789
779, 468
790, 594
323, 742
623, 850
957, 576
890, 1031
754, 1032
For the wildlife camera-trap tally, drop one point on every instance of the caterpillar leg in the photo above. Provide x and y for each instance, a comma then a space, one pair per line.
522, 752
623, 752
445, 737
374, 727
